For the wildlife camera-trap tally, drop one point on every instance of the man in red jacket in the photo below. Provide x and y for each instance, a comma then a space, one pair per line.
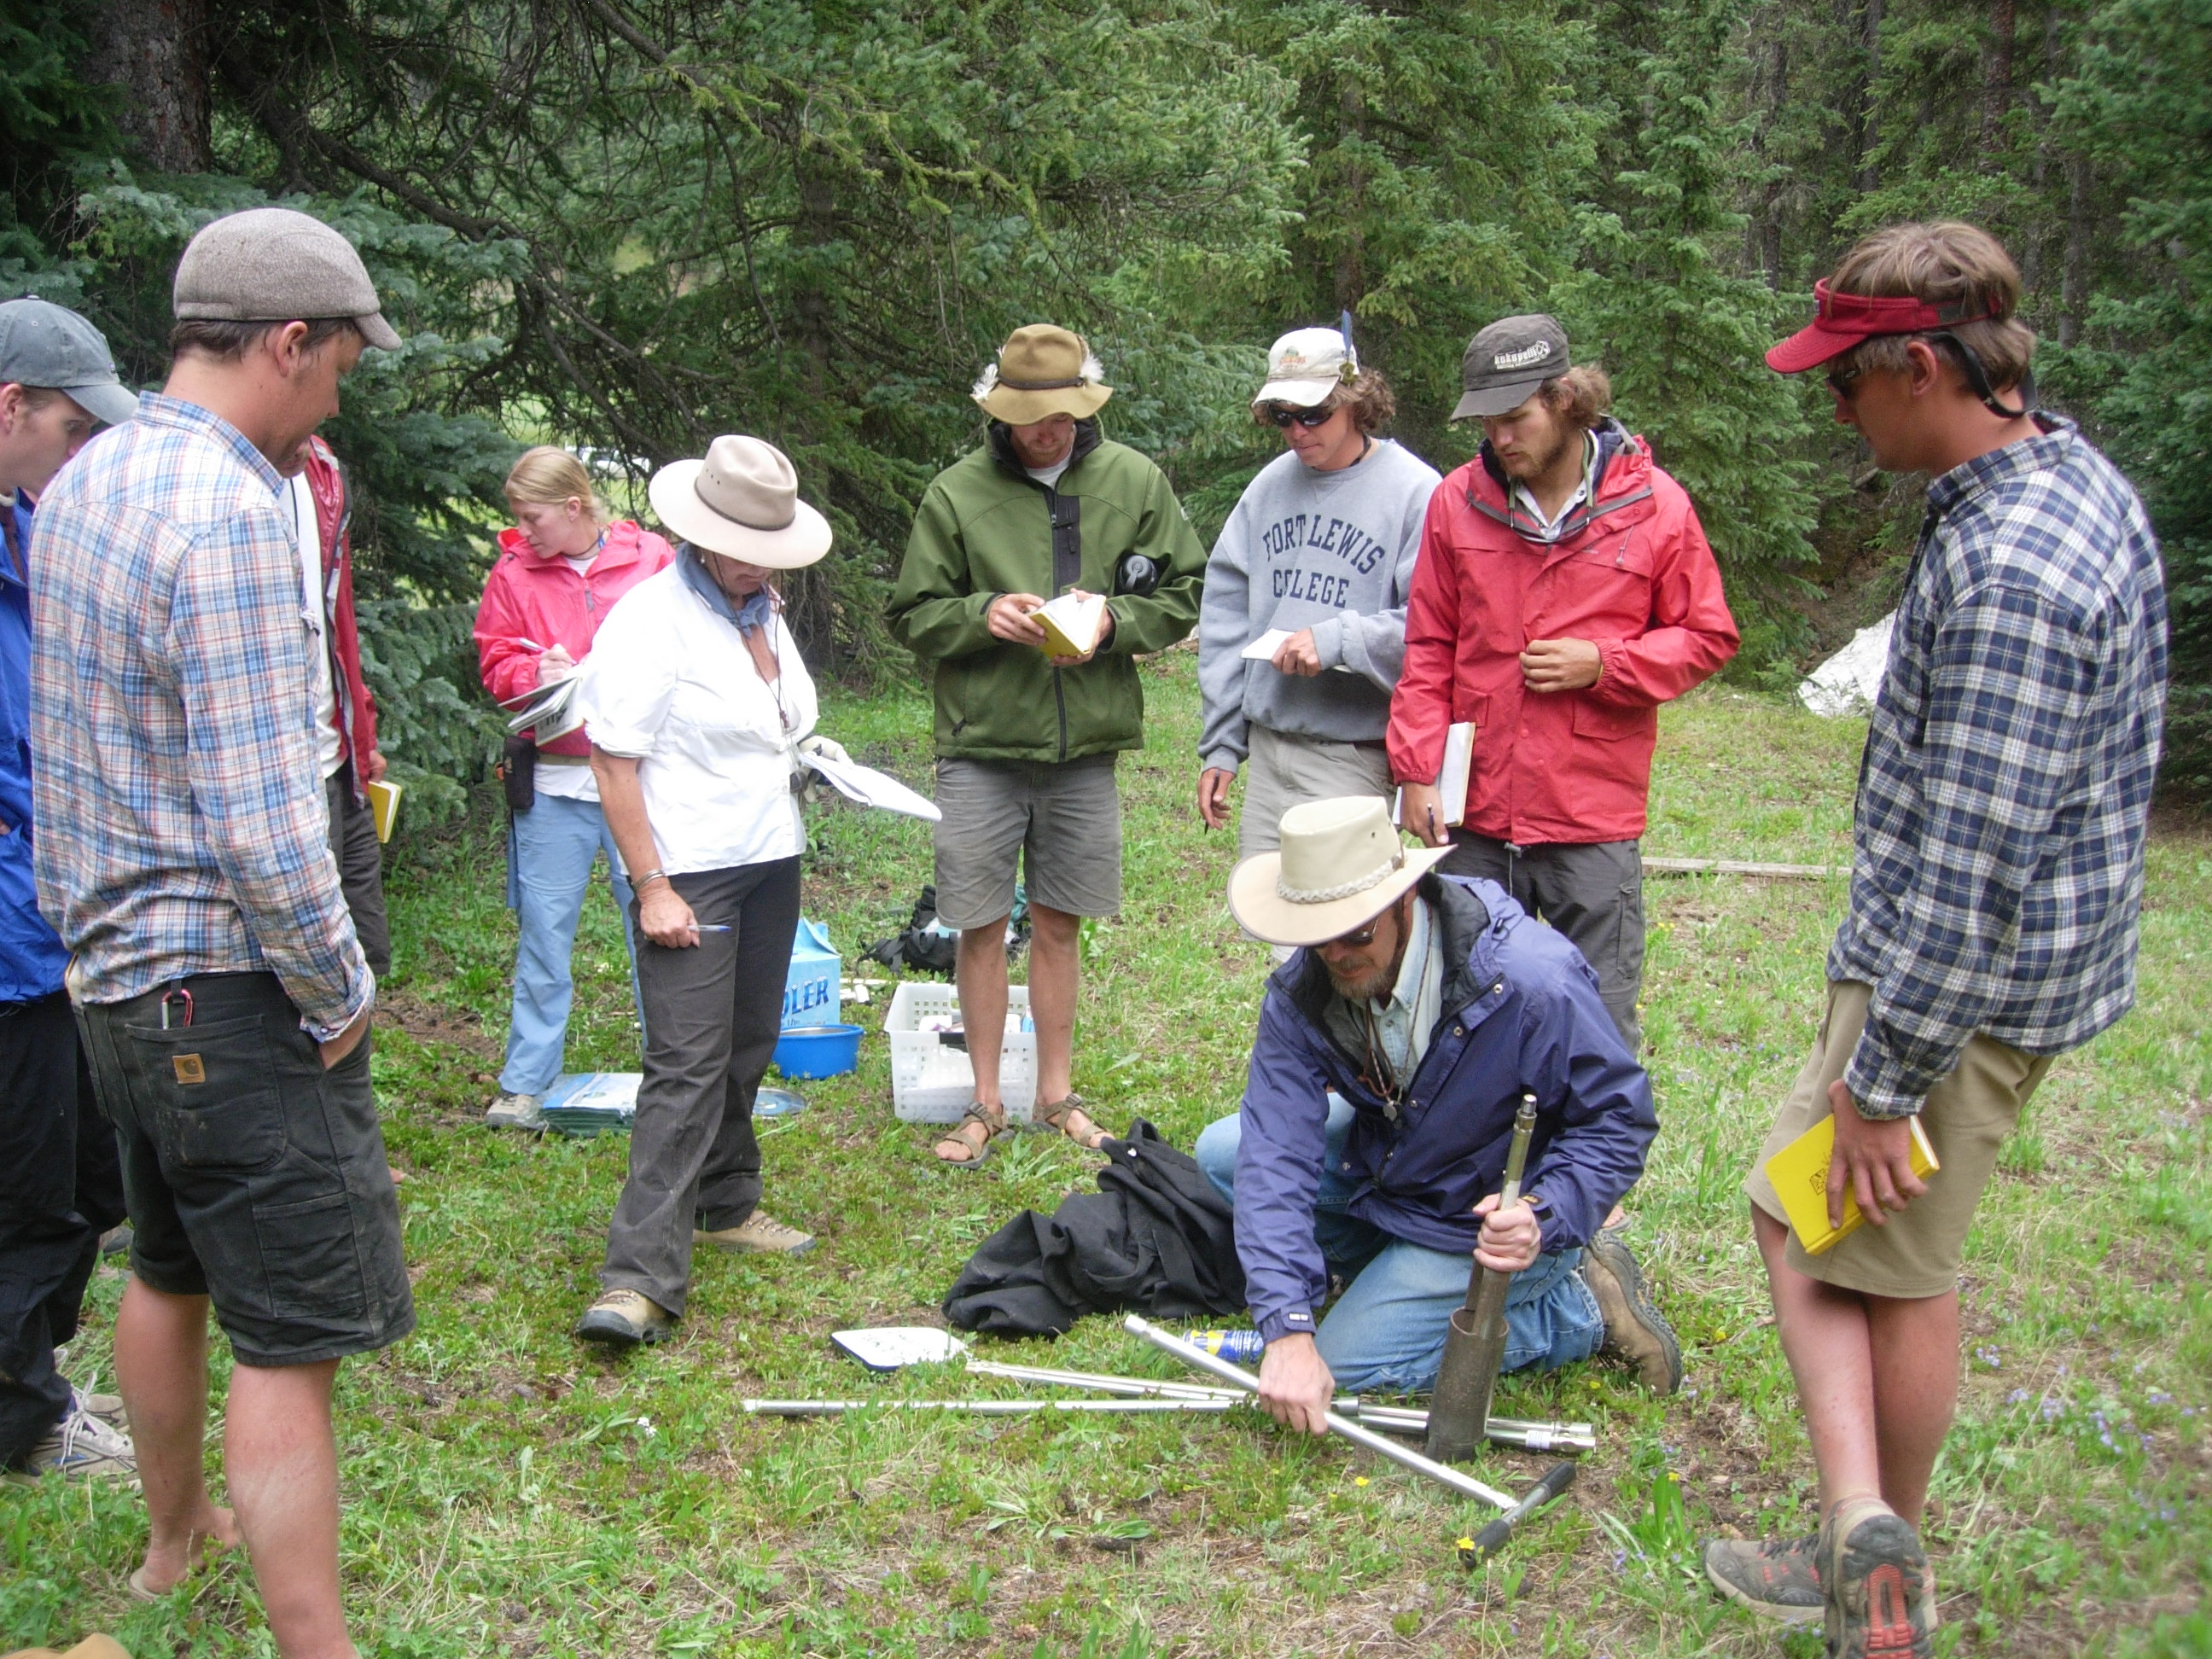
321, 504
1564, 590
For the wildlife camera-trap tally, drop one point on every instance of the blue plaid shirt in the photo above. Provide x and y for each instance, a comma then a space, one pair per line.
1997, 861
182, 827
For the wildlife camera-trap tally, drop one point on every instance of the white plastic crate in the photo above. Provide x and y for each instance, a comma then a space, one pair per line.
932, 1081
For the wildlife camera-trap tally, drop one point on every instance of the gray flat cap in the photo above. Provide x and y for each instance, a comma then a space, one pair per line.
52, 348
274, 265
1507, 362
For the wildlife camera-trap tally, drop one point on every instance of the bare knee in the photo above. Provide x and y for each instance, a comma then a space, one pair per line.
1059, 928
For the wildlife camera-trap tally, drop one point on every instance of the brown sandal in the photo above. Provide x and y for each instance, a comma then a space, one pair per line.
1055, 1118
993, 1120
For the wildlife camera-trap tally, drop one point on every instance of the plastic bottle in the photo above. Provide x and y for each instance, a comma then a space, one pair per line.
1237, 1347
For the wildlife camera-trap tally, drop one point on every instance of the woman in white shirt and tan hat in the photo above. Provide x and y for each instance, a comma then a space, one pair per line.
698, 705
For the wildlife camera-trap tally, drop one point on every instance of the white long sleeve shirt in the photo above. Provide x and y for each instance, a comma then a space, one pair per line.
671, 685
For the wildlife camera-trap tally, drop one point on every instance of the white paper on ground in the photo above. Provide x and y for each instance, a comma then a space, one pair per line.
1849, 682
890, 1346
872, 788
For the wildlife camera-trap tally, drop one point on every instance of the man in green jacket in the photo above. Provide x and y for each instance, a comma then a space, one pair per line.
1026, 741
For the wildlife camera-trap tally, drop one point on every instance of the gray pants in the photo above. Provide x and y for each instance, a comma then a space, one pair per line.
361, 868
1593, 893
1286, 770
712, 1015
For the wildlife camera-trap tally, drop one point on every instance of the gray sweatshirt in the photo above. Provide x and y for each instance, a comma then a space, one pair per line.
1332, 551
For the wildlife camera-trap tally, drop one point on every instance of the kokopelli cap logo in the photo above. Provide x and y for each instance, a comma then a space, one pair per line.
1507, 362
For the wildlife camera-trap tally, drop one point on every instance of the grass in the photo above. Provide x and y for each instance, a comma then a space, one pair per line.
508, 1491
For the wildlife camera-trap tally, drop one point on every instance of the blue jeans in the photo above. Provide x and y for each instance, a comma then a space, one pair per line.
1386, 1333
549, 867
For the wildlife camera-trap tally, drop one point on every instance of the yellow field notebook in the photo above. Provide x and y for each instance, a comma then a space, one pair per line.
1071, 624
383, 806
1800, 1173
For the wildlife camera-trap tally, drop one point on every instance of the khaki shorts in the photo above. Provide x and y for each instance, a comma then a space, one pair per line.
1286, 770
1061, 819
1966, 1117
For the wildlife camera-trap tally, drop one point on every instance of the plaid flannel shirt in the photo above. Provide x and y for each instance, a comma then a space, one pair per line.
1997, 861
183, 828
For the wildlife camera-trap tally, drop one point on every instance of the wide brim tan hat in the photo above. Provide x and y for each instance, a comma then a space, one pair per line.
1041, 371
741, 500
1342, 865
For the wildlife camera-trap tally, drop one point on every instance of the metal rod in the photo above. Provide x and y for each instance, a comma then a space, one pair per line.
1099, 1382
1191, 1354
975, 1407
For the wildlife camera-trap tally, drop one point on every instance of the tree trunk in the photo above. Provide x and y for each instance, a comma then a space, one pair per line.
1996, 82
156, 53
2074, 294
1350, 285
1869, 173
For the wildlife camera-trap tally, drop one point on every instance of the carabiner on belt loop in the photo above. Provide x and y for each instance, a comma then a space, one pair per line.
170, 995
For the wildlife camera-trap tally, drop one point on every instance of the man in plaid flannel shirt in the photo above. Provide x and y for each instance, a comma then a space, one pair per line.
183, 856
1996, 873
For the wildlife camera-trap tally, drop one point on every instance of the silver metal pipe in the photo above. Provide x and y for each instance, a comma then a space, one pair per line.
1191, 1354
1504, 1432
1099, 1383
974, 1407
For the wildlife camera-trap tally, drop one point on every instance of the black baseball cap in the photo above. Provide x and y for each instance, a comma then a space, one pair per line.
1507, 362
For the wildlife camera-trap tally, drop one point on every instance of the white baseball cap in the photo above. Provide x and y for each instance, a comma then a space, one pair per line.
1306, 365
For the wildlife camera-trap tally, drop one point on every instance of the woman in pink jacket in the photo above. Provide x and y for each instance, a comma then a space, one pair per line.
560, 571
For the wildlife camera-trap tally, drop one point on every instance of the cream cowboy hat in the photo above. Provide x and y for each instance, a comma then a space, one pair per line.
1341, 866
742, 501
1041, 371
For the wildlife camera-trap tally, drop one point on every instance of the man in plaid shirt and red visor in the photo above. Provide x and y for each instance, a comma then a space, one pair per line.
183, 856
1996, 872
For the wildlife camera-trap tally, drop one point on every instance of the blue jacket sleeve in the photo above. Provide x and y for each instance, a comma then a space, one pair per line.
1284, 1129
1588, 1083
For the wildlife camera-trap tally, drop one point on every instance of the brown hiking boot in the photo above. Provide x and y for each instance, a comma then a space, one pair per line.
1880, 1596
760, 1234
1635, 1329
623, 1319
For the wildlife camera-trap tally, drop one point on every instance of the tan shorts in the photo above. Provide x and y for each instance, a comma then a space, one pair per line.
1966, 1117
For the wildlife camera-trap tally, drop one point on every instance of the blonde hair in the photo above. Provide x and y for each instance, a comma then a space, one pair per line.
1582, 395
549, 476
1949, 264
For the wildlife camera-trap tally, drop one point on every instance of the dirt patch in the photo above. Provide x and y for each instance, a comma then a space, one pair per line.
428, 1022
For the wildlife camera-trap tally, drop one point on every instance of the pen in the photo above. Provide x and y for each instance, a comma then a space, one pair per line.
711, 927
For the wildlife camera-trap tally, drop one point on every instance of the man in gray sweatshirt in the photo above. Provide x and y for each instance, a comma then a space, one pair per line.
1317, 558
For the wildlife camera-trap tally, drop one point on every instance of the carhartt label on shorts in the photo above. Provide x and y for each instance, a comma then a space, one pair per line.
189, 1068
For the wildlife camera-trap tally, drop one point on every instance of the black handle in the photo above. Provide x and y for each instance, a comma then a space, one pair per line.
1499, 1533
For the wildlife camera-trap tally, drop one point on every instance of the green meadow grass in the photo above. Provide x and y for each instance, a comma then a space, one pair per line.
508, 1491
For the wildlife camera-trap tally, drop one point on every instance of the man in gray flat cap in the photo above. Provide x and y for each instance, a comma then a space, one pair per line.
185, 859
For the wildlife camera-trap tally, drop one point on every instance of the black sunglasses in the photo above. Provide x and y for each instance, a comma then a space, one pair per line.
1309, 418
1841, 380
1363, 938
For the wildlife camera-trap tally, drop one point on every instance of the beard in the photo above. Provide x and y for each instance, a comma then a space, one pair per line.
1376, 982
1535, 467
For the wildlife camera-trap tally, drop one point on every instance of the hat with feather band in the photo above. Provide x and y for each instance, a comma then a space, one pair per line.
1041, 371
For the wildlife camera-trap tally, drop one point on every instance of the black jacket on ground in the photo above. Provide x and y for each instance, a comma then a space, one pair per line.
1155, 1237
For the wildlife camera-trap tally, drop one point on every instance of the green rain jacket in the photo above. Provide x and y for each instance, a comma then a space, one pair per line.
986, 527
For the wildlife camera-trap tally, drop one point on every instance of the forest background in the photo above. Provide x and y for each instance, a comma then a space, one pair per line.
627, 225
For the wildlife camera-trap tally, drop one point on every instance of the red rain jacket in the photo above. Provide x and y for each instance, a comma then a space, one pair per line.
544, 601
357, 709
1634, 574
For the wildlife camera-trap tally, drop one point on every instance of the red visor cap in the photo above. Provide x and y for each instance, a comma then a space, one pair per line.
1840, 321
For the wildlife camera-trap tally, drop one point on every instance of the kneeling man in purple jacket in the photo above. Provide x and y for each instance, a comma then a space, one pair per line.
1393, 1052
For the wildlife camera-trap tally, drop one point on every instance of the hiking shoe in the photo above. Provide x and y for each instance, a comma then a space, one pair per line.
513, 1111
1880, 1598
116, 1241
623, 1319
1635, 1330
107, 1408
1774, 1578
80, 1448
762, 1234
